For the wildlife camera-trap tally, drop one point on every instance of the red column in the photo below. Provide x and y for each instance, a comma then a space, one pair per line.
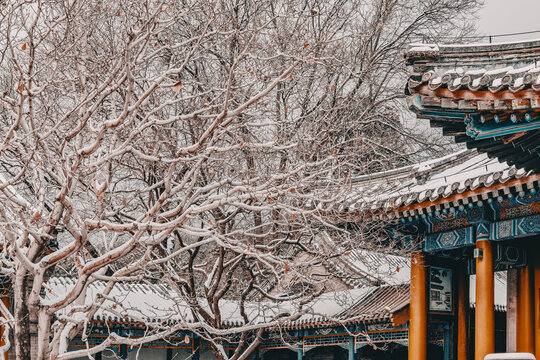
484, 336
418, 308
525, 311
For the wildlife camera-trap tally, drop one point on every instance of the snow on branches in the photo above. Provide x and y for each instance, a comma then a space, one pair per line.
198, 144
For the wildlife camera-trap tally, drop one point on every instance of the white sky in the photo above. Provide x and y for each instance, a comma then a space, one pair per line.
510, 16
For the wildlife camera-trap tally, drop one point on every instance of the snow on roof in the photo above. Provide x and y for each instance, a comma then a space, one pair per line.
490, 83
127, 301
362, 267
331, 305
387, 269
432, 180
478, 54
513, 78
157, 303
381, 303
365, 268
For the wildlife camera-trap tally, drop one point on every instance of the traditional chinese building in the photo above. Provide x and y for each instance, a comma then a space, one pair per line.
488, 97
364, 322
375, 317
470, 220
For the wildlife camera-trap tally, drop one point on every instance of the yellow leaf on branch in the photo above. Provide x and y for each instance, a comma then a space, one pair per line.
176, 87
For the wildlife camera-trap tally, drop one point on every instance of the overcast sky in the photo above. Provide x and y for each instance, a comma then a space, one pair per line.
510, 16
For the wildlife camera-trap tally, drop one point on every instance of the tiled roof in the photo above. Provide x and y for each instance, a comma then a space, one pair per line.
332, 307
486, 95
474, 55
482, 79
480, 75
362, 268
463, 177
153, 303
380, 304
156, 303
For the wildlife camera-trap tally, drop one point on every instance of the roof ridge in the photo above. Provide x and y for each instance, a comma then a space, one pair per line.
404, 169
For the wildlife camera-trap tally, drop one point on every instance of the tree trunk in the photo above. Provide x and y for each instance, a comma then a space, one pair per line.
21, 329
219, 351
44, 326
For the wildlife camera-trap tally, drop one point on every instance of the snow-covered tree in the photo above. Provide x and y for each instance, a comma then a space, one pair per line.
194, 143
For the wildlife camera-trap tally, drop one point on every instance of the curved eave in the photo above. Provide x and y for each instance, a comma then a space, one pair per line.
472, 195
507, 129
480, 92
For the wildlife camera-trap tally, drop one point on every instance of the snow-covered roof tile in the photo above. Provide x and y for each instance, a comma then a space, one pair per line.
149, 302
364, 303
442, 178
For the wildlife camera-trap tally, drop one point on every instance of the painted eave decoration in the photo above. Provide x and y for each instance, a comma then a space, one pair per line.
486, 95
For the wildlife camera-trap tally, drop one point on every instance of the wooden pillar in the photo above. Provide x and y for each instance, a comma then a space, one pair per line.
418, 308
484, 335
525, 310
463, 313
511, 309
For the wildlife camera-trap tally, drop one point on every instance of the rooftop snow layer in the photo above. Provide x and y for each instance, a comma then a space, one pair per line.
429, 181
159, 304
